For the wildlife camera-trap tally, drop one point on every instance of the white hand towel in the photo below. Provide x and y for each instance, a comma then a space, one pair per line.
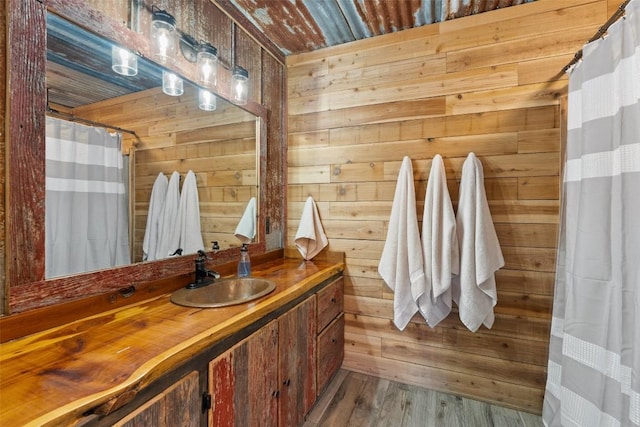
401, 264
188, 219
474, 290
439, 247
310, 238
246, 229
168, 239
156, 204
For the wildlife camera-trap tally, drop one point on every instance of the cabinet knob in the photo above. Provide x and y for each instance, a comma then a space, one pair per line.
333, 340
333, 300
276, 394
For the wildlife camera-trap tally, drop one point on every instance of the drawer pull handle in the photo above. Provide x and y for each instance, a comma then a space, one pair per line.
333, 300
333, 340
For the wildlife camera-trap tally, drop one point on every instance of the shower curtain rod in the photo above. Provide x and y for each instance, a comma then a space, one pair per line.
616, 15
73, 118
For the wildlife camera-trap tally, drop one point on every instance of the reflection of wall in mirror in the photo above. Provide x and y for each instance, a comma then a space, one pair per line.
174, 135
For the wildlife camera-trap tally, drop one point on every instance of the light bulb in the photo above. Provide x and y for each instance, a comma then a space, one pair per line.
207, 65
240, 85
164, 37
172, 84
206, 100
123, 61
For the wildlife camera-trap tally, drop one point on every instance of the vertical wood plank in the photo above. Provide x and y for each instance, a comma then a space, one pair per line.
260, 379
182, 402
178, 405
297, 360
274, 179
3, 174
25, 185
222, 387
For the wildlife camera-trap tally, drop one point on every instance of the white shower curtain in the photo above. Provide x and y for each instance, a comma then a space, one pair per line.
594, 354
86, 214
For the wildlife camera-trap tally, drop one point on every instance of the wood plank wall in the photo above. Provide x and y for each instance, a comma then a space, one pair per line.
491, 84
3, 181
218, 146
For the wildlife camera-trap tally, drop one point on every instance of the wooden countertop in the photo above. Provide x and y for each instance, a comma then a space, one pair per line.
53, 377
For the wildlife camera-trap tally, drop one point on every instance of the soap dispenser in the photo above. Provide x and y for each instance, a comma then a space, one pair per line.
244, 265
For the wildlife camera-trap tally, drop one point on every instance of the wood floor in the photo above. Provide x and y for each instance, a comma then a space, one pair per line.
354, 399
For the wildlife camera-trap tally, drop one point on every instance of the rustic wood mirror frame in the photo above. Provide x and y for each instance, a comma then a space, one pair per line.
25, 286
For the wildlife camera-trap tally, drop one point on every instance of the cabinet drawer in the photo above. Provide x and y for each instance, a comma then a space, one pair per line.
330, 352
330, 303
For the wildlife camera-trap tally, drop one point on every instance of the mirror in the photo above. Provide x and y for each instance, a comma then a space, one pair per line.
160, 133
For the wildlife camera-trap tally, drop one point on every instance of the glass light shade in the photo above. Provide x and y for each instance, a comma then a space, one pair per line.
123, 61
207, 65
164, 37
206, 100
172, 84
239, 86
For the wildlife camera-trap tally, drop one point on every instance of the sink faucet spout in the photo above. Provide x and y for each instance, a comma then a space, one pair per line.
203, 276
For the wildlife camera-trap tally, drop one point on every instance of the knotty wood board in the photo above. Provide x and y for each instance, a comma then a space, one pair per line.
56, 375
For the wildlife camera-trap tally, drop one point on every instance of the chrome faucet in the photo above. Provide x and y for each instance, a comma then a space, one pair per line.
203, 277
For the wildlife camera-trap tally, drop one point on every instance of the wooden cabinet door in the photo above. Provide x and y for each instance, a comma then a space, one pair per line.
178, 405
330, 351
297, 357
244, 382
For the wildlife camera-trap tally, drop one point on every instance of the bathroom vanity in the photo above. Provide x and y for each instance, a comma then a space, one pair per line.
157, 363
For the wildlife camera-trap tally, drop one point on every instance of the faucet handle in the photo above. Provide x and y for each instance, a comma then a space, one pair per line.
202, 255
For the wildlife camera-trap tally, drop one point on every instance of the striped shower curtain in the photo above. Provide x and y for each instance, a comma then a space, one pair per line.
594, 354
86, 213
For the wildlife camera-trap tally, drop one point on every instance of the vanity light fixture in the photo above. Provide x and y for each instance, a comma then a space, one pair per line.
239, 85
206, 100
123, 61
172, 84
207, 60
164, 36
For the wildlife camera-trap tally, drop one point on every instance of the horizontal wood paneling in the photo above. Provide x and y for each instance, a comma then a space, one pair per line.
491, 84
219, 147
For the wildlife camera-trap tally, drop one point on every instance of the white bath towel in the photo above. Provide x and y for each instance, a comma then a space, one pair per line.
310, 238
474, 289
439, 247
188, 219
156, 203
401, 264
246, 229
168, 240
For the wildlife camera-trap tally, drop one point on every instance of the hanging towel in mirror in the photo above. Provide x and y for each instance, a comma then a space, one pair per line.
474, 288
439, 247
310, 238
188, 219
156, 203
168, 238
401, 263
246, 229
